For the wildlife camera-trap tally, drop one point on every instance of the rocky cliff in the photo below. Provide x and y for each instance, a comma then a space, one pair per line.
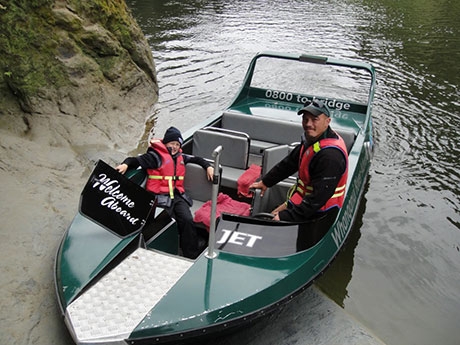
83, 59
73, 73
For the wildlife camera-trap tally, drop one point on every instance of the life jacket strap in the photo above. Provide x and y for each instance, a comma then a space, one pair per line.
303, 190
170, 180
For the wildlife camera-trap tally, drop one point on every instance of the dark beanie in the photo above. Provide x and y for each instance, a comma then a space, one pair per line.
172, 134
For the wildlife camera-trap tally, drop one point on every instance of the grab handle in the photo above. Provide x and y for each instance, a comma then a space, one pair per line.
215, 190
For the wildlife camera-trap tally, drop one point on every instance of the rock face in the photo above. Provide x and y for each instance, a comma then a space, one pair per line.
72, 56
80, 70
84, 59
77, 82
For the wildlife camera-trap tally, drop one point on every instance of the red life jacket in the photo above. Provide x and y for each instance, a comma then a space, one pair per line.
169, 175
303, 186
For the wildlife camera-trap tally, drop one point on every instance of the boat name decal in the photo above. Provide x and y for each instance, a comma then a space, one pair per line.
115, 197
289, 97
239, 238
344, 224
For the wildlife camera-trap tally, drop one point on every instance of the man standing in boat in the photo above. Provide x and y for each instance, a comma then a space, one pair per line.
165, 165
321, 160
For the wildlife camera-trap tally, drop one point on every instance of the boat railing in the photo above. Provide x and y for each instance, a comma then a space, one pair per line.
211, 254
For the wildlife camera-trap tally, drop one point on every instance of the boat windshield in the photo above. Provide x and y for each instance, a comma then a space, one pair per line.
286, 79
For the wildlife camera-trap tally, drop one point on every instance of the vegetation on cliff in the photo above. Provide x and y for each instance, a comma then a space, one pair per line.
54, 53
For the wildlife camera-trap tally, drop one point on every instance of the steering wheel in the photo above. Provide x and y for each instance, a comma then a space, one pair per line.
264, 215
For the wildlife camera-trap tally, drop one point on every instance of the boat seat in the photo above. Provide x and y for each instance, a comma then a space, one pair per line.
264, 132
197, 185
272, 155
275, 195
235, 151
348, 136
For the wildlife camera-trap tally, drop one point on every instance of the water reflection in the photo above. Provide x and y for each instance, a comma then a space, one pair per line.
335, 281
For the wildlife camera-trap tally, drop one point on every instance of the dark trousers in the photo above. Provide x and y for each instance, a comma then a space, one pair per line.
188, 240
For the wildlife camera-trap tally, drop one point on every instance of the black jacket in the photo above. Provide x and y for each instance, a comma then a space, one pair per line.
151, 160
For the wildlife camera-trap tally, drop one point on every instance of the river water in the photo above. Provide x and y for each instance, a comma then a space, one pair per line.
399, 275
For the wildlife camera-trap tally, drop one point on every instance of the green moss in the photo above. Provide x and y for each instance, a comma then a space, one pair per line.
30, 43
33, 36
113, 15
28, 48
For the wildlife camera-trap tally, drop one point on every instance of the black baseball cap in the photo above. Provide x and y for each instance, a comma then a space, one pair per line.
316, 108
